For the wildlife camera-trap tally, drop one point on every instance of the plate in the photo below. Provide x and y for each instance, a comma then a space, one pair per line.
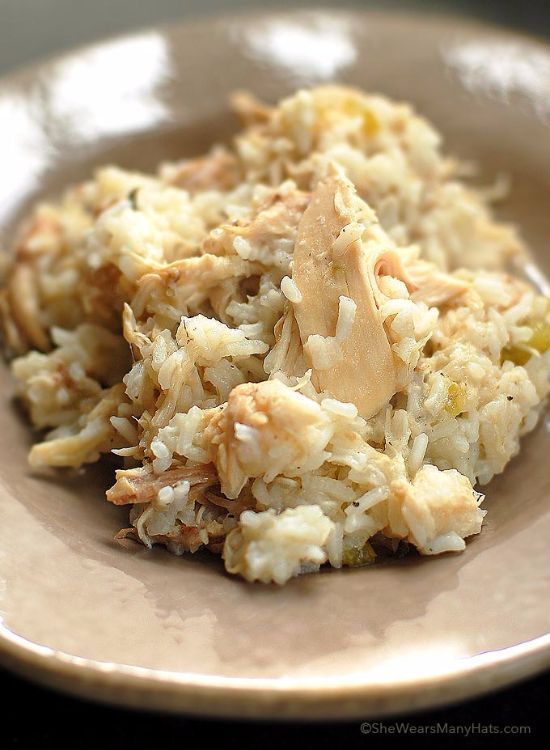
146, 629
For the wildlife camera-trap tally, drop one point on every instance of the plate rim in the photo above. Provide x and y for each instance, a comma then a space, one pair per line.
196, 22
266, 698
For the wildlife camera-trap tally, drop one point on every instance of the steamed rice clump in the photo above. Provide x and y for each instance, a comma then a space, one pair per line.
304, 348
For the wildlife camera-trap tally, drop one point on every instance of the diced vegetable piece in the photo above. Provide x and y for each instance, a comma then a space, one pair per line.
456, 399
356, 557
540, 338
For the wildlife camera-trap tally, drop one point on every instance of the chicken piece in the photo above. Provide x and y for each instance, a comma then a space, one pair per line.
186, 537
141, 485
56, 387
23, 299
287, 355
218, 170
214, 496
440, 509
103, 292
94, 434
251, 111
204, 528
327, 266
14, 342
434, 287
267, 236
208, 270
40, 280
190, 278
266, 429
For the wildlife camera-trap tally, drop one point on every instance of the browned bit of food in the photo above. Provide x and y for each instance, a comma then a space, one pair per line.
141, 485
219, 170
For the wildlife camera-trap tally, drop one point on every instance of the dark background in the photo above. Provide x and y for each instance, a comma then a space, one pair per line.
34, 717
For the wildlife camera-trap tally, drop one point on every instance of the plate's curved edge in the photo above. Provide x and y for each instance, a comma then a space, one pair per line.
199, 22
255, 698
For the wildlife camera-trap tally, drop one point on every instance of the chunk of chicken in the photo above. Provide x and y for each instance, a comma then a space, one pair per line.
92, 435
24, 321
203, 526
60, 386
141, 485
251, 111
265, 430
24, 302
327, 266
268, 235
218, 170
434, 287
287, 355
188, 280
440, 509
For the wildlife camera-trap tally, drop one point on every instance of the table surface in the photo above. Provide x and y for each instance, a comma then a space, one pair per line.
31, 29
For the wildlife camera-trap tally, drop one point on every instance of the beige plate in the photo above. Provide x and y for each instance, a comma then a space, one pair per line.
147, 629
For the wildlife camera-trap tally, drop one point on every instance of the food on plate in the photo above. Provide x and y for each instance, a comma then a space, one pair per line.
305, 349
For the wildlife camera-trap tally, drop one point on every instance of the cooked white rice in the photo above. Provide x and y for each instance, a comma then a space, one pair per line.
306, 349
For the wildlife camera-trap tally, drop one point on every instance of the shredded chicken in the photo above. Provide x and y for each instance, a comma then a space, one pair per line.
186, 536
275, 221
265, 429
25, 306
214, 496
250, 110
209, 531
287, 355
95, 434
187, 280
434, 287
218, 170
440, 509
141, 485
326, 268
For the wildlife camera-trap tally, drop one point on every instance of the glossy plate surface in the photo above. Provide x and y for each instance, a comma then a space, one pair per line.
148, 629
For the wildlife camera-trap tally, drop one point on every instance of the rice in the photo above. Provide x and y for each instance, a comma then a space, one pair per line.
290, 290
305, 349
346, 317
